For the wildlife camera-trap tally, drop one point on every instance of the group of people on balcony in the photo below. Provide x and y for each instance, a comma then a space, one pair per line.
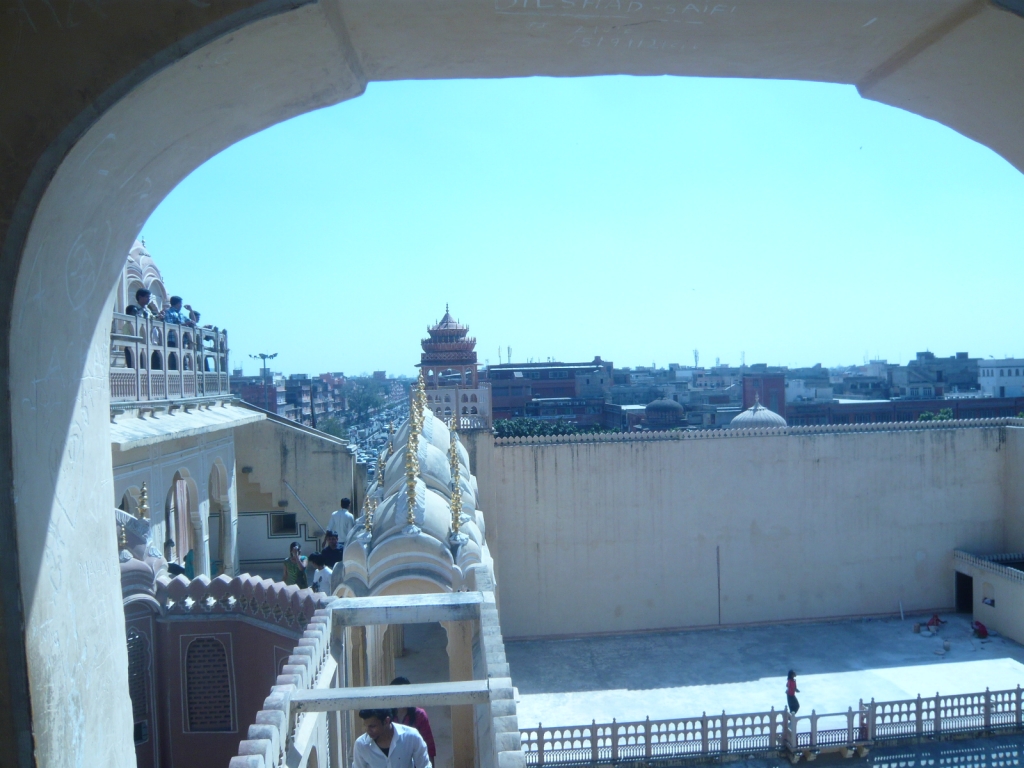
314, 572
177, 313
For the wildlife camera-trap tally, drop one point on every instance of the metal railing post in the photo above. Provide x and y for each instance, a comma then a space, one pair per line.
647, 738
921, 717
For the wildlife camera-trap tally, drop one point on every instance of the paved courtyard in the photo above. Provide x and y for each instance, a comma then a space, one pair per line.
683, 674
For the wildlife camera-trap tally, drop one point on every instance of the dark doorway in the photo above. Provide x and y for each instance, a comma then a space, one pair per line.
964, 593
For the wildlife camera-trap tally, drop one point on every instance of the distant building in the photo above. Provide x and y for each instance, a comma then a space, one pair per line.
767, 388
1002, 378
380, 375
804, 391
450, 368
515, 385
882, 411
930, 376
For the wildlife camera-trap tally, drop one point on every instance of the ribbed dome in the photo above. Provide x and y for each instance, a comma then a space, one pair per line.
757, 417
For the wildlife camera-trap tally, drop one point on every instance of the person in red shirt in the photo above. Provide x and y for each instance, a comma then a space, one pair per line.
791, 692
416, 718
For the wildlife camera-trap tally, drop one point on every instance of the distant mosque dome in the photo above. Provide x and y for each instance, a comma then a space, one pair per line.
664, 413
757, 417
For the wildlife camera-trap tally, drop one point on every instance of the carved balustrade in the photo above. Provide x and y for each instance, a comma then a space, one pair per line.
151, 360
934, 717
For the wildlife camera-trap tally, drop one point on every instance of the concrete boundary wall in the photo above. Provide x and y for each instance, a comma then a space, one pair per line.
595, 534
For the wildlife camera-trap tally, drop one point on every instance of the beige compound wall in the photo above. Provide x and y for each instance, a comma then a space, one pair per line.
624, 536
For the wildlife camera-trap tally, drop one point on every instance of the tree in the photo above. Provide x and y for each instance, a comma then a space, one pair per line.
526, 427
944, 414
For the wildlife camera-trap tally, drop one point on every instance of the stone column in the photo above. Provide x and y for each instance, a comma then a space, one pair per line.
460, 667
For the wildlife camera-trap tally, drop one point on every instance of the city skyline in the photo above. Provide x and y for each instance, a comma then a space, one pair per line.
635, 218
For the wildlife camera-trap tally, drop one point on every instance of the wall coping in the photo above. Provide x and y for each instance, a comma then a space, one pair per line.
992, 563
713, 434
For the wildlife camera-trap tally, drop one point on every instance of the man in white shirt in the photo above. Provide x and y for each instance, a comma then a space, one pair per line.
342, 521
321, 578
388, 745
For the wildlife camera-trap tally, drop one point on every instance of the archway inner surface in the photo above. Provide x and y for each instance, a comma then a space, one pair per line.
108, 107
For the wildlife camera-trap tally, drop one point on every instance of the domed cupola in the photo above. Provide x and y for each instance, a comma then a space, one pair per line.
757, 417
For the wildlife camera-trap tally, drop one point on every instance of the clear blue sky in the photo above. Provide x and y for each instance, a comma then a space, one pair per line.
632, 218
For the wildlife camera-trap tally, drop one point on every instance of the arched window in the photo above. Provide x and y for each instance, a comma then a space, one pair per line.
172, 361
473, 410
186, 362
447, 399
155, 335
186, 340
211, 363
464, 410
438, 411
447, 412
208, 686
472, 398
156, 362
138, 682
465, 399
129, 358
172, 337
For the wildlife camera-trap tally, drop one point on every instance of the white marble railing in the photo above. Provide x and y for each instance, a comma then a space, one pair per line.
717, 434
775, 731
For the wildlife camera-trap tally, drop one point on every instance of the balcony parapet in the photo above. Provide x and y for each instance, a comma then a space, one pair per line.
154, 361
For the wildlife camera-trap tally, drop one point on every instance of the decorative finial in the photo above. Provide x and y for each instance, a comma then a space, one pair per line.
382, 462
124, 537
457, 537
412, 461
144, 502
371, 508
757, 399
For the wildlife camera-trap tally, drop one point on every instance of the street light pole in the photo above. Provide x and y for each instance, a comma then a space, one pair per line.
264, 357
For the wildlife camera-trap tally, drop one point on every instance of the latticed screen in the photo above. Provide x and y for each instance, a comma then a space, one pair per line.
138, 679
208, 686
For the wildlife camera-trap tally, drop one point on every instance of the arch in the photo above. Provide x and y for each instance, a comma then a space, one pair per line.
172, 337
472, 410
209, 364
156, 362
472, 398
186, 340
172, 361
277, 50
186, 362
209, 694
129, 358
223, 556
447, 412
130, 501
183, 524
465, 410
465, 398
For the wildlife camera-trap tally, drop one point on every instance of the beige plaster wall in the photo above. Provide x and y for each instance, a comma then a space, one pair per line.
1006, 589
1013, 484
621, 536
321, 470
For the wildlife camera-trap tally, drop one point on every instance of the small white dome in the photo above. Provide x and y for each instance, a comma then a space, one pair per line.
757, 417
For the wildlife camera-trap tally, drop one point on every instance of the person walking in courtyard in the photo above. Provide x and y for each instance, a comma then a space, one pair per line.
388, 745
295, 567
415, 717
791, 692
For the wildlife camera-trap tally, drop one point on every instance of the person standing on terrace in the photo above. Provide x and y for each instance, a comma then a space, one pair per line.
791, 692
387, 744
342, 521
141, 306
295, 567
416, 717
175, 314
